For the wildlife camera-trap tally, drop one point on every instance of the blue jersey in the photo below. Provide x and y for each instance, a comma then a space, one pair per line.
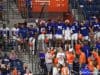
49, 28
31, 32
96, 27
59, 28
85, 71
98, 46
42, 29
28, 2
74, 28
53, 27
5, 32
84, 30
23, 32
86, 49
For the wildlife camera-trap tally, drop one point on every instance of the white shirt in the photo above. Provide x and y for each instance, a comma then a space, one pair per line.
28, 74
55, 71
15, 30
60, 57
67, 32
48, 58
4, 30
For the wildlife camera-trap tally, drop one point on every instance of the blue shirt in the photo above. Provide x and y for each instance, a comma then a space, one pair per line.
42, 28
28, 2
96, 27
59, 28
86, 49
85, 71
23, 32
49, 28
74, 28
42, 55
31, 32
98, 46
84, 30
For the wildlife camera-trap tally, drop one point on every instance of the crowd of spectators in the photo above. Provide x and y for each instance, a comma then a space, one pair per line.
10, 64
64, 48
72, 48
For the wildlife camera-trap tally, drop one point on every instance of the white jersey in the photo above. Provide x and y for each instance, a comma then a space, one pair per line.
55, 71
48, 58
5, 31
61, 57
15, 31
67, 32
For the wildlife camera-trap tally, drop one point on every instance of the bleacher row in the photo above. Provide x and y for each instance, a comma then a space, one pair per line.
89, 7
10, 64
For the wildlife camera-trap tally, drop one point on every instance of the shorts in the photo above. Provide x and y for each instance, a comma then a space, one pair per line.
86, 37
49, 67
41, 37
74, 36
49, 36
58, 36
14, 37
97, 34
67, 37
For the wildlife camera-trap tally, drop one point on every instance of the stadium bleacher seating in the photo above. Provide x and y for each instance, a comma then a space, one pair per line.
57, 41
90, 8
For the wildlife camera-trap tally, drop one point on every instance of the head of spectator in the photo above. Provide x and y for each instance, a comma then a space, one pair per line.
67, 22
30, 26
82, 23
25, 24
49, 21
42, 22
25, 66
52, 51
13, 55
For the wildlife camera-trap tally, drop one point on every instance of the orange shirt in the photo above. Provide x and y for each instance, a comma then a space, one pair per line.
77, 48
70, 57
98, 60
98, 67
82, 58
14, 72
